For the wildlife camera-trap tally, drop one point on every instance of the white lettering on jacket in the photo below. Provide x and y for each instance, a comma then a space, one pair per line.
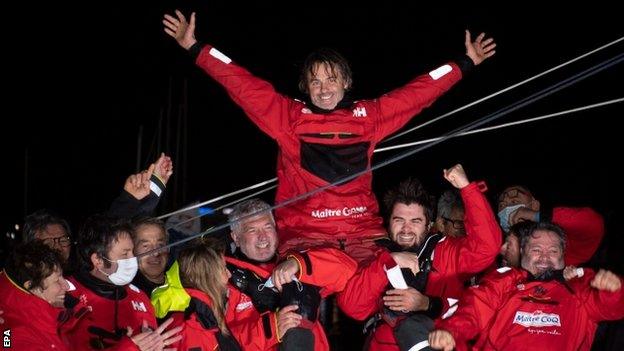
537, 319
345, 212
243, 306
139, 306
359, 112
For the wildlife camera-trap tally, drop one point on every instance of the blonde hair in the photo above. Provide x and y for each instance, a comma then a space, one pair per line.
201, 268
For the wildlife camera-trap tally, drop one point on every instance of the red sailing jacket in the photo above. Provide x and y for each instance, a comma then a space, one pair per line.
327, 268
317, 149
31, 320
584, 230
509, 312
454, 261
194, 335
107, 315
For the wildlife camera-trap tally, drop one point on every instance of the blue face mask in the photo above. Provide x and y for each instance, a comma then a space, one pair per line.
505, 213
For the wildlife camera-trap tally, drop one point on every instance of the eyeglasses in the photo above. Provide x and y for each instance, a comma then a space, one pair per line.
62, 241
457, 223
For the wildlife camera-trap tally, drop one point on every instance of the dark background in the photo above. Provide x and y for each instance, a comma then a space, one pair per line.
85, 79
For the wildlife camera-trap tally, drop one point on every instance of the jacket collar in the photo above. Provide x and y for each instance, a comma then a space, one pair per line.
101, 288
345, 103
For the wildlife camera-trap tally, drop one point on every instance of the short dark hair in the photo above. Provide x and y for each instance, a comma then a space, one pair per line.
38, 221
98, 235
410, 191
334, 60
543, 226
32, 262
521, 229
141, 221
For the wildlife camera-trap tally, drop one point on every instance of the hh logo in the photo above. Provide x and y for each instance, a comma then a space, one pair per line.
359, 112
6, 338
139, 306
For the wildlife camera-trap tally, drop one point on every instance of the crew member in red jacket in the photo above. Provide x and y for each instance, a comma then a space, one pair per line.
115, 307
204, 278
30, 284
444, 263
533, 307
302, 279
583, 226
327, 138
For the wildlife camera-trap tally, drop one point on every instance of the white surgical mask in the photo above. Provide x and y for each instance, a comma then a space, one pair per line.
126, 270
505, 214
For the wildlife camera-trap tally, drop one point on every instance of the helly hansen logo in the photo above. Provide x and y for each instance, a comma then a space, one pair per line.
359, 112
537, 319
139, 306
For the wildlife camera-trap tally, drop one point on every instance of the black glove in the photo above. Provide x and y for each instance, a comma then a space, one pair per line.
305, 296
263, 298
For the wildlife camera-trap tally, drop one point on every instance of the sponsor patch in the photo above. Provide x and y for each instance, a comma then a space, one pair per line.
537, 319
138, 306
243, 306
344, 212
359, 112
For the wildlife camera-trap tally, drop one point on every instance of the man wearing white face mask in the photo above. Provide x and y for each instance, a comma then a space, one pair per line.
117, 308
583, 226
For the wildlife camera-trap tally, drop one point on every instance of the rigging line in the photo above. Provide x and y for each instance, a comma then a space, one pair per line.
502, 91
491, 117
505, 125
419, 142
269, 181
224, 206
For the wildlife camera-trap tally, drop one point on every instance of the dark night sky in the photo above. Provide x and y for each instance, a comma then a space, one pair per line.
88, 77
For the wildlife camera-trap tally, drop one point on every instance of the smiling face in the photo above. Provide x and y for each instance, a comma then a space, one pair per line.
326, 86
256, 237
53, 288
408, 224
542, 252
148, 237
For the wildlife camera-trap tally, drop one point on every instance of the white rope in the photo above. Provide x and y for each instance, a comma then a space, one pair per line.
504, 90
269, 181
226, 205
218, 198
534, 119
470, 126
388, 148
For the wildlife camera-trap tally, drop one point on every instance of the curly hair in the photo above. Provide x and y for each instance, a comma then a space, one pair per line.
32, 262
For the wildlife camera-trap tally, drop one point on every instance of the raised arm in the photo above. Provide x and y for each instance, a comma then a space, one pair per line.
476, 251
